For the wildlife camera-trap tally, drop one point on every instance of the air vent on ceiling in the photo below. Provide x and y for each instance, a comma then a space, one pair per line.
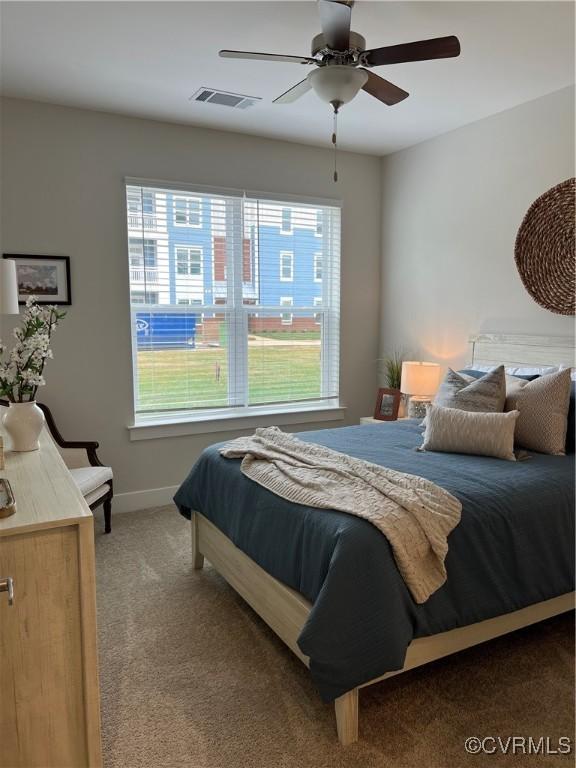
224, 98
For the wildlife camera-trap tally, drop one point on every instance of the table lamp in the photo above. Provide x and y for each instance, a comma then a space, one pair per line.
420, 381
8, 288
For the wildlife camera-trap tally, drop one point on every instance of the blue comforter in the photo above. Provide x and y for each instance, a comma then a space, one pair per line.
513, 547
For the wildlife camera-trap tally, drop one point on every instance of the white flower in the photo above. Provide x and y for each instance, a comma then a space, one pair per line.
21, 373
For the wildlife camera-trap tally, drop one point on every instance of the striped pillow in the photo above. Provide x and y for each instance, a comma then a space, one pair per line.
543, 405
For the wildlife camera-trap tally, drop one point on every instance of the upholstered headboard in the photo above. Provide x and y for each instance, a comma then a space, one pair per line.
516, 350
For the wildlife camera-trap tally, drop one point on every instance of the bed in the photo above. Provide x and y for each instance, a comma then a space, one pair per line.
327, 584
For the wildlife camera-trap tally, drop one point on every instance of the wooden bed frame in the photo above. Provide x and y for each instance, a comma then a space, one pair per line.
286, 611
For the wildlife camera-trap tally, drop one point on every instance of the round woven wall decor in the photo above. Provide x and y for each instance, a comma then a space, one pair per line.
544, 251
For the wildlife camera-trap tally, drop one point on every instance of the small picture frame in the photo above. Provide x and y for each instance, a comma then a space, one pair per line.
45, 277
387, 404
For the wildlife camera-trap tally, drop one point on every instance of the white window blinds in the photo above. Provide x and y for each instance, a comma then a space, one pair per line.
234, 300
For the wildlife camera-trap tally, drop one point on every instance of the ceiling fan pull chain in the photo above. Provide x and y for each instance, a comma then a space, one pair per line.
334, 142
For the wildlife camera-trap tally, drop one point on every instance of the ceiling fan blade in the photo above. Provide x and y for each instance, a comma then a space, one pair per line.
266, 57
383, 90
422, 50
294, 93
335, 18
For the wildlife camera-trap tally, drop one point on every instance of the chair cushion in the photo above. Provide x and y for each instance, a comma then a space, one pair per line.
99, 493
88, 479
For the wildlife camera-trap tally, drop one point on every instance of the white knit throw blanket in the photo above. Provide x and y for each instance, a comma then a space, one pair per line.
414, 514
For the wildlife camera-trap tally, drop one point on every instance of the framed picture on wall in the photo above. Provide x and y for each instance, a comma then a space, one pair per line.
45, 277
387, 404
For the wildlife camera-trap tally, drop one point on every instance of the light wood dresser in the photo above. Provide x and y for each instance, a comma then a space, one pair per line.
49, 697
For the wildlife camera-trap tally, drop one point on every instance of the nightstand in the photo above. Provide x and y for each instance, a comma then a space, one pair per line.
372, 420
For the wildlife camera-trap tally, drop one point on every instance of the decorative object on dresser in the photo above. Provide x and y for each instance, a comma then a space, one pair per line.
7, 501
544, 250
50, 711
420, 382
45, 277
8, 288
22, 374
387, 404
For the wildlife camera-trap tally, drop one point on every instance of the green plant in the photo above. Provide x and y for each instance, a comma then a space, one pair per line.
393, 369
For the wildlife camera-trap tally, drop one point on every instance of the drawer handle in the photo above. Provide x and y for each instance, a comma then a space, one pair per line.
7, 585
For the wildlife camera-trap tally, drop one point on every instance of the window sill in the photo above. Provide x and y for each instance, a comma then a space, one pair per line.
182, 424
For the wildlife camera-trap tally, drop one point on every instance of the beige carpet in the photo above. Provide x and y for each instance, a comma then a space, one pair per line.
192, 677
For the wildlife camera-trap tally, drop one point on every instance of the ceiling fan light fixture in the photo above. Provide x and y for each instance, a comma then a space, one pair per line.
337, 83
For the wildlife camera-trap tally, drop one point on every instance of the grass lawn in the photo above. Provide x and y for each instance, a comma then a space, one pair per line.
182, 378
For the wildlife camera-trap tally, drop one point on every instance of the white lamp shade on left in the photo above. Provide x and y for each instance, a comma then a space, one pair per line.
8, 288
420, 379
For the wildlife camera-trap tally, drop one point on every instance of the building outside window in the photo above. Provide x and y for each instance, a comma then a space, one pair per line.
218, 332
286, 226
286, 266
286, 301
317, 267
144, 297
187, 212
188, 260
141, 206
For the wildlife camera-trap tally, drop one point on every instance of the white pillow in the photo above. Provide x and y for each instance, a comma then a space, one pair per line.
519, 370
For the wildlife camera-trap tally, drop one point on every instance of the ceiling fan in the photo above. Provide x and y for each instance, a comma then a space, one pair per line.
343, 63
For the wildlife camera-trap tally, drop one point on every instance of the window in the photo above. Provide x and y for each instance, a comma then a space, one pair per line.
141, 206
233, 324
188, 212
143, 260
188, 260
188, 302
286, 224
318, 303
317, 267
286, 317
144, 297
319, 215
142, 252
286, 266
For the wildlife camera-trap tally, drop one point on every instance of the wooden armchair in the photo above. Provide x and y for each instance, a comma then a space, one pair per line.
94, 480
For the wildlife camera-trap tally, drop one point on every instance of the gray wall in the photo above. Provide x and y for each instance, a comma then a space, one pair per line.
62, 193
451, 209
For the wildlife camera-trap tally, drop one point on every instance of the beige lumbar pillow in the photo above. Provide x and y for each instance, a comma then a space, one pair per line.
451, 430
543, 405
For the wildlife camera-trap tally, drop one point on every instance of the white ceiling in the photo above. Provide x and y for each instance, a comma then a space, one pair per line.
148, 58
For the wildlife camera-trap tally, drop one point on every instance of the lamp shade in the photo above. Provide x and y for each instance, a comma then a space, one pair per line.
8, 288
420, 379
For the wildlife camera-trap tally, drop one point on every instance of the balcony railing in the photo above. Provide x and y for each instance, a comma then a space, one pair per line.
135, 222
143, 275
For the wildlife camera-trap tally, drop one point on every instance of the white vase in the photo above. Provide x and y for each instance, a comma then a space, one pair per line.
24, 422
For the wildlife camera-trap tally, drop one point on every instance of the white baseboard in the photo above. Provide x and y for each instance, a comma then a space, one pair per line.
136, 500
